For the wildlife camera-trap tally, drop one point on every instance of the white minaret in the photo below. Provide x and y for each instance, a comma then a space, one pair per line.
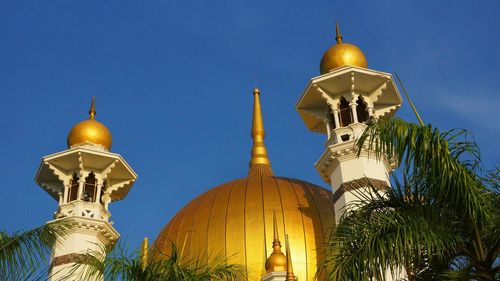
338, 103
84, 179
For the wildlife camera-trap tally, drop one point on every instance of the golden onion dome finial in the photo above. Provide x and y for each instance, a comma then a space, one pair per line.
289, 267
341, 54
259, 162
338, 36
90, 131
277, 260
92, 111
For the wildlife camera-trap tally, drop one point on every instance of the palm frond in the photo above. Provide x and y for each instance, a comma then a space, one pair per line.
25, 255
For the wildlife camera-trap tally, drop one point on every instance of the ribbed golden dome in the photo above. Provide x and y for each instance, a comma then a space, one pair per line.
342, 54
90, 131
235, 219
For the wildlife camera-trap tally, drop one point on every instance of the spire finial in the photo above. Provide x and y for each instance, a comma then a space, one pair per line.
144, 253
92, 109
259, 162
338, 36
276, 242
289, 267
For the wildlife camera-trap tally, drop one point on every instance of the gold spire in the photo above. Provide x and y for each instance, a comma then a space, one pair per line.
144, 253
259, 162
289, 267
276, 242
338, 37
92, 109
277, 260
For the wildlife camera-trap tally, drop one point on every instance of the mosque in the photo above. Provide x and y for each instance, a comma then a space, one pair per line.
249, 219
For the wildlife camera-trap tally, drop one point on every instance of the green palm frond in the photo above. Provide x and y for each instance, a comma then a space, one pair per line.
441, 223
446, 162
390, 232
119, 265
25, 255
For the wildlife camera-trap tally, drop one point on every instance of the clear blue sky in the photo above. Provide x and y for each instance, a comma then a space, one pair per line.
173, 82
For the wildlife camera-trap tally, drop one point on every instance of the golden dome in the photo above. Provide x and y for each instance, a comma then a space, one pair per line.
235, 219
342, 54
90, 131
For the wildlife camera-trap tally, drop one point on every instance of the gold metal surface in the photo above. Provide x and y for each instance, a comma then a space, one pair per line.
342, 54
277, 260
90, 131
235, 219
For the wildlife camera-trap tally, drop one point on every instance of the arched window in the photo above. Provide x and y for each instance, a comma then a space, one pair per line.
345, 113
361, 110
90, 188
73, 188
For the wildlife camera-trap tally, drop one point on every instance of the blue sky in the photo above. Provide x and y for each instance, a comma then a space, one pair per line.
173, 82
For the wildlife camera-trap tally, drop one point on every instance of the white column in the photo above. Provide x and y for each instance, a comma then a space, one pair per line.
60, 195
66, 193
81, 182
98, 192
328, 129
354, 112
336, 118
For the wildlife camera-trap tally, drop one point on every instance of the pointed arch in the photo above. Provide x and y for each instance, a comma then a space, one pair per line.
361, 110
73, 188
90, 188
345, 113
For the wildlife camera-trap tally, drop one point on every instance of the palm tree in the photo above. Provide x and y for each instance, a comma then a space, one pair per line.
439, 221
118, 265
25, 255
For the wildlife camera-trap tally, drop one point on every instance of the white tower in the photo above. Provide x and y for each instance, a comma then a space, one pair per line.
338, 103
84, 179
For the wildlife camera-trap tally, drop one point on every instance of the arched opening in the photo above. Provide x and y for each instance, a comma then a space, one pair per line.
345, 113
90, 188
73, 188
361, 110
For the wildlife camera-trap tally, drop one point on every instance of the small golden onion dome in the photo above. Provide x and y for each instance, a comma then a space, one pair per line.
276, 262
342, 54
90, 131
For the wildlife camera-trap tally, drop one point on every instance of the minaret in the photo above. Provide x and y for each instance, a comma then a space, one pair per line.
339, 103
84, 180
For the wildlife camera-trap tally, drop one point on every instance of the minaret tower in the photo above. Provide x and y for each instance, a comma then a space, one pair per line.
338, 103
84, 179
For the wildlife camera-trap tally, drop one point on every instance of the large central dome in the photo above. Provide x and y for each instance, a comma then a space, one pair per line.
235, 219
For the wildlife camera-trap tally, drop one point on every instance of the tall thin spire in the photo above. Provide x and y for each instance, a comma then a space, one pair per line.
276, 262
289, 267
338, 36
92, 109
276, 242
259, 162
144, 253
